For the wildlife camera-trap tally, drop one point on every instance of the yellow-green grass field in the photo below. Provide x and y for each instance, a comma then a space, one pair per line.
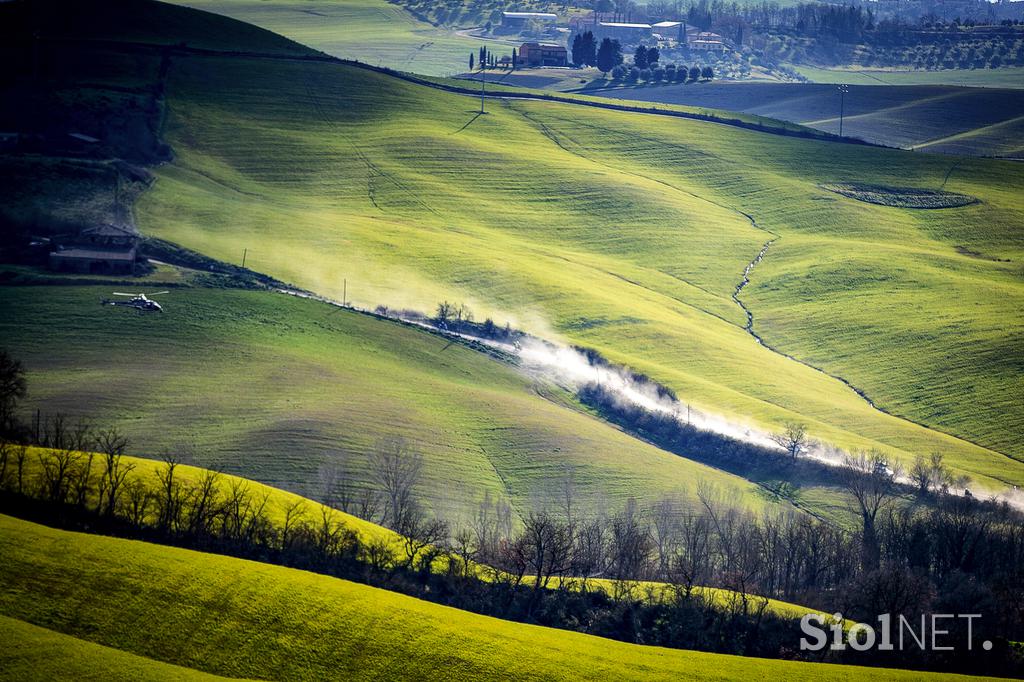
243, 619
29, 653
280, 503
273, 388
624, 232
1005, 77
372, 31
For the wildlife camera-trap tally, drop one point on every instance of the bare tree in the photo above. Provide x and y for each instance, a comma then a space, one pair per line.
931, 475
629, 548
872, 482
544, 547
169, 495
396, 469
112, 444
792, 439
339, 490
12, 389
444, 314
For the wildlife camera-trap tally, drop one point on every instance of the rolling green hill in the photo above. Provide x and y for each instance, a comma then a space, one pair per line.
370, 31
935, 118
628, 233
621, 232
29, 652
238, 618
283, 386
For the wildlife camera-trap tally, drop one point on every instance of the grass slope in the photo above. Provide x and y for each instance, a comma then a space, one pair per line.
623, 232
372, 31
1006, 77
29, 652
983, 122
239, 618
273, 387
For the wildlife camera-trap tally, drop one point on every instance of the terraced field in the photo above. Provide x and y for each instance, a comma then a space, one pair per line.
933, 118
284, 386
209, 605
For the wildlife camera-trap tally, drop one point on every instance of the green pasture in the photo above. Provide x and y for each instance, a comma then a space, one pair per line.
243, 619
627, 233
275, 388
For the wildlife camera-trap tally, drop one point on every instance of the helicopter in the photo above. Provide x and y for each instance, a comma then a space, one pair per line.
140, 302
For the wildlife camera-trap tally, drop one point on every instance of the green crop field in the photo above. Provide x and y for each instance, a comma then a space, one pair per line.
29, 653
627, 233
209, 608
935, 118
284, 386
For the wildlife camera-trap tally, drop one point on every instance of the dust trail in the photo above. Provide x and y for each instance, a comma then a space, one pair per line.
572, 369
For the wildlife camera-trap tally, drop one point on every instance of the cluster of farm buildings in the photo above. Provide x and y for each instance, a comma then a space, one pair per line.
666, 34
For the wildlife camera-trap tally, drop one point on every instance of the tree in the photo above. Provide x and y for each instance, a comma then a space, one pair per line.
640, 57
609, 55
588, 49
12, 389
470, 61
577, 55
793, 438
515, 58
694, 73
652, 56
113, 445
872, 483
445, 313
544, 547
396, 470
707, 73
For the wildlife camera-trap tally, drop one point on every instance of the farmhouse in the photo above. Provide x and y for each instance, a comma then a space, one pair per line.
709, 42
542, 54
521, 19
105, 249
626, 33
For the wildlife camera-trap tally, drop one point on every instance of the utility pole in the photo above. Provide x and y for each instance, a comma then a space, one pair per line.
344, 293
483, 87
245, 252
843, 89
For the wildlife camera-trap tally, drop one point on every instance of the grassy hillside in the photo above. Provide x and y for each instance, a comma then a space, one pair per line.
29, 653
371, 31
273, 388
210, 608
970, 121
1006, 77
623, 232
143, 21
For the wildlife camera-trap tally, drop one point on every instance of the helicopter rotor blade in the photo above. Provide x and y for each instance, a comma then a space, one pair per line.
117, 293
158, 293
